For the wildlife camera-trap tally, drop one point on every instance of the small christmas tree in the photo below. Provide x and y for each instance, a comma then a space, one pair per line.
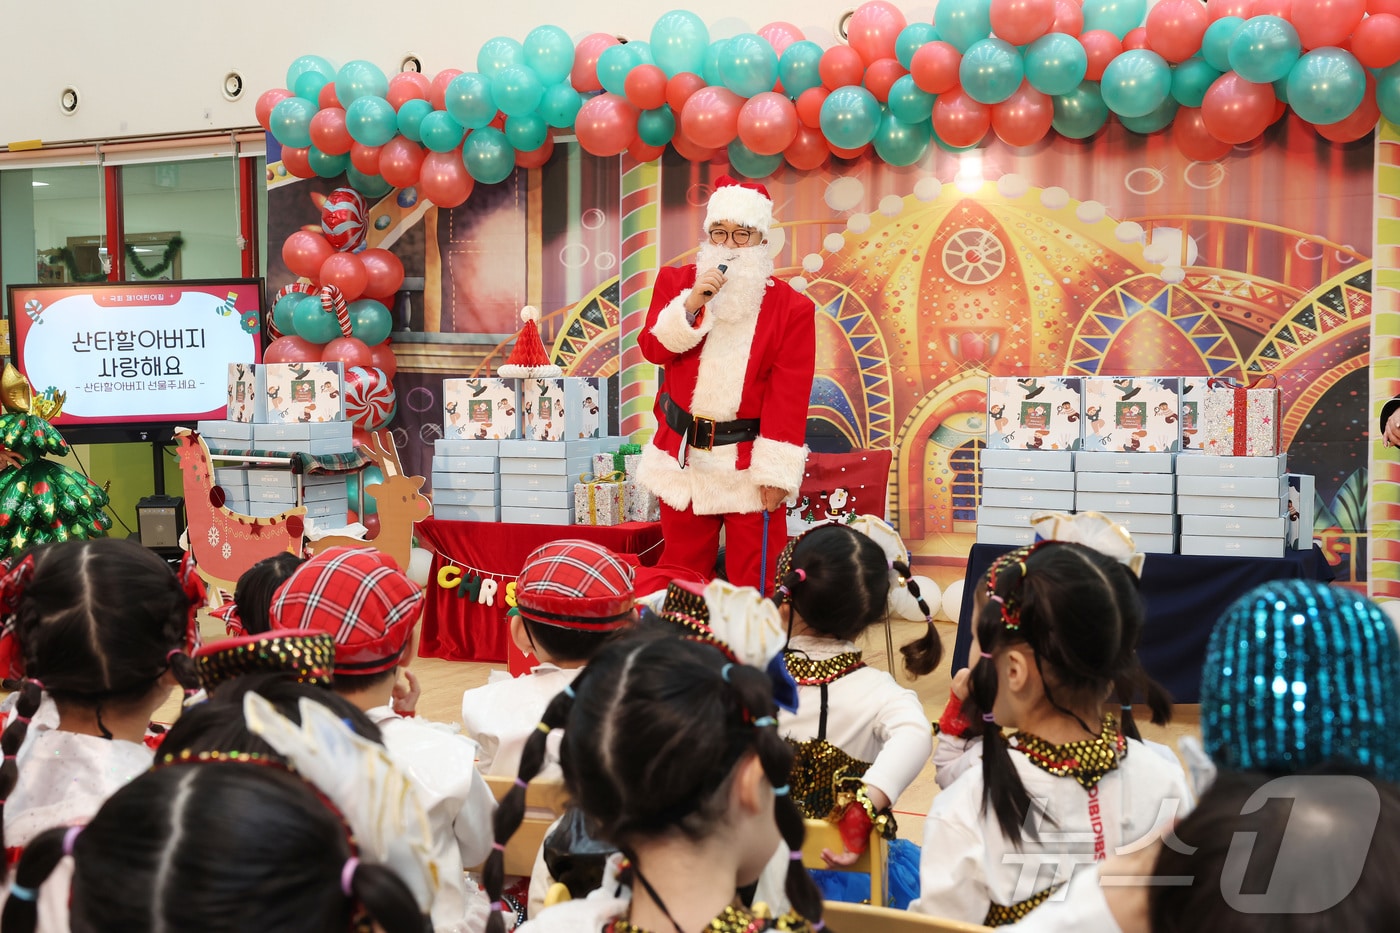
40, 500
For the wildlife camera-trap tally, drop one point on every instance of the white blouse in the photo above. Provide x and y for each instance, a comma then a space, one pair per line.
501, 715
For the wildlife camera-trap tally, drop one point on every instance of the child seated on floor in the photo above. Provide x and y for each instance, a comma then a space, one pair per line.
247, 613
571, 596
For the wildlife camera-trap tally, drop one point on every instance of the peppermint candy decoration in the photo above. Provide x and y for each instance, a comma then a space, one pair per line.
370, 398
343, 219
333, 302
34, 307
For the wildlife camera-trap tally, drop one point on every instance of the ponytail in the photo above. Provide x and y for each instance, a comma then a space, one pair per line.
1002, 790
385, 897
31, 694
921, 656
40, 857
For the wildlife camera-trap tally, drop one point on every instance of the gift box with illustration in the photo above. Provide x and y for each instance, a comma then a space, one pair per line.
1036, 413
1132, 414
242, 392
299, 393
485, 409
563, 408
1233, 419
598, 501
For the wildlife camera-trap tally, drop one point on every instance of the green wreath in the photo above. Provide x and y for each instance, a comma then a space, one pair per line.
172, 249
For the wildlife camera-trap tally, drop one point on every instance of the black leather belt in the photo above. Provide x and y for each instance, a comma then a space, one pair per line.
706, 433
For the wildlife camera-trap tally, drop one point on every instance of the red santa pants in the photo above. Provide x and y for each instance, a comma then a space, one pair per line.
692, 546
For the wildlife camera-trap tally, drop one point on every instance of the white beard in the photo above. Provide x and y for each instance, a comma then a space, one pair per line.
746, 276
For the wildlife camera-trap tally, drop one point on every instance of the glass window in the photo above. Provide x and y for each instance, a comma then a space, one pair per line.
181, 220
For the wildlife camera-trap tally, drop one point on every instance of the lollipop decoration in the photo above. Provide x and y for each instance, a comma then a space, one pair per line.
343, 219
370, 399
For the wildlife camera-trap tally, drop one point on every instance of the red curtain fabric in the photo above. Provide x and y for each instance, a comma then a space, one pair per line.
456, 625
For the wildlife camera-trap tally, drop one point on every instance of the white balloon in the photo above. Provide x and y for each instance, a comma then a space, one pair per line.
858, 223
1054, 198
812, 262
777, 238
844, 193
952, 601
798, 283
420, 562
928, 189
1091, 212
1012, 185
891, 205
1129, 231
833, 242
1173, 275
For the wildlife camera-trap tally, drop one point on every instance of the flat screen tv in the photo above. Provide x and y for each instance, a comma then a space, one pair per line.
134, 360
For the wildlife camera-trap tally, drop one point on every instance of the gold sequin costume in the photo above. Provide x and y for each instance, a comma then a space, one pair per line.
819, 767
735, 920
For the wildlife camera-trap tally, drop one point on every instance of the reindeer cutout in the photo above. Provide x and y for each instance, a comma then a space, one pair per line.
400, 505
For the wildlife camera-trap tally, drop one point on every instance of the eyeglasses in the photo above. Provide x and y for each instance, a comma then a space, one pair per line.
739, 237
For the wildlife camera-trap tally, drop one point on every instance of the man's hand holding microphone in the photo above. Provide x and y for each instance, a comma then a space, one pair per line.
707, 283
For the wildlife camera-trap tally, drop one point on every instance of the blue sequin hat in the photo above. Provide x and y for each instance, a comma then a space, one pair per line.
1298, 673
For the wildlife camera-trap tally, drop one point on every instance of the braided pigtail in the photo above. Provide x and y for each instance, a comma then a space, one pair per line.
185, 670
511, 811
387, 900
922, 654
31, 694
40, 858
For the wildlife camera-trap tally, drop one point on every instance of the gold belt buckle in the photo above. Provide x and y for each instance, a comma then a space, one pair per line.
702, 432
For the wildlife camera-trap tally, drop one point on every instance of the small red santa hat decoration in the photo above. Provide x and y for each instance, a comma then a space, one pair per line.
740, 202
528, 359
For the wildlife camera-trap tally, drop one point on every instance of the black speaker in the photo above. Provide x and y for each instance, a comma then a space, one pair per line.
160, 520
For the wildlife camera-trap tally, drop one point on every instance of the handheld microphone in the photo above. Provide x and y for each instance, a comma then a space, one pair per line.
722, 267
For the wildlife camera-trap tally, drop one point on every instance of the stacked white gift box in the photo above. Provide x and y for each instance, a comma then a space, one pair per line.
1034, 428
466, 480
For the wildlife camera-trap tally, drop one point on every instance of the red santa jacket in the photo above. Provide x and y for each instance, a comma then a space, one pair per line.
759, 367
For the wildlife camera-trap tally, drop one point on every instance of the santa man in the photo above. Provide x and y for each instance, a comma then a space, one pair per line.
739, 349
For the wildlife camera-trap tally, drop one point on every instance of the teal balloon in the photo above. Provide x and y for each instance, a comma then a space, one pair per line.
1080, 113
643, 51
1326, 85
1215, 44
798, 68
372, 475
308, 64
439, 132
327, 166
488, 156
1388, 92
411, 116
748, 65
359, 79
1056, 63
710, 69
371, 121
901, 143
912, 38
964, 22
526, 132
1159, 119
656, 127
1264, 49
991, 71
369, 321
613, 65
744, 161
371, 186
908, 102
290, 121
516, 90
560, 105
313, 323
1116, 16
678, 42
1190, 81
499, 54
1281, 89
549, 53
468, 99
850, 117
284, 310
1136, 82
309, 85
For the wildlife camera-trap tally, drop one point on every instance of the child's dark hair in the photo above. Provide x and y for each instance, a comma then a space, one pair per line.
566, 644
653, 728
98, 623
212, 847
838, 581
1079, 613
253, 595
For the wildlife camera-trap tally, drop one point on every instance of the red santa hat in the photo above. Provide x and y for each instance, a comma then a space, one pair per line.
528, 359
740, 202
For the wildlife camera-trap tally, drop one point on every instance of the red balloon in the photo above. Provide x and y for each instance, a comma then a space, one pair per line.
642, 152
768, 123
881, 76
840, 65
327, 99
348, 350
1283, 9
959, 120
1024, 118
1362, 120
1135, 39
1326, 22
1021, 22
873, 29
269, 99
399, 161
1236, 110
296, 160
406, 86
680, 87
809, 106
584, 77
345, 272
1377, 7
711, 117
1102, 47
1219, 9
383, 271
780, 35
1175, 28
690, 151
437, 88
808, 149
443, 178
1069, 18
849, 155
382, 357
292, 350
1280, 108
1376, 41
328, 132
1194, 140
646, 87
365, 158
536, 158
935, 67
371, 523
606, 125
305, 252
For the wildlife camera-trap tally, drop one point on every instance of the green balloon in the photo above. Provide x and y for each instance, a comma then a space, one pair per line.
371, 186
309, 85
549, 52
369, 321
1326, 85
912, 38
517, 90
991, 71
327, 166
850, 117
488, 156
1388, 92
1158, 119
372, 475
1136, 82
359, 79
527, 132
613, 65
1056, 63
797, 69
1215, 44
900, 143
309, 64
656, 127
371, 121
963, 22
1190, 81
908, 102
1116, 16
284, 310
313, 323
560, 105
439, 132
744, 161
678, 42
468, 99
499, 54
1264, 49
710, 69
1080, 113
748, 65
291, 122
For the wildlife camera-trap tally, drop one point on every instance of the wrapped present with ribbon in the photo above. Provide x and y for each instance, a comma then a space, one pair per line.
1237, 420
639, 504
604, 463
598, 499
627, 458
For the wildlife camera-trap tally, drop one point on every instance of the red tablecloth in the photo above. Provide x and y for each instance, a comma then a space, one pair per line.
456, 624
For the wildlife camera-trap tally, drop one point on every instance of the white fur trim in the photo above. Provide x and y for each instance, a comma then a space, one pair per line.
775, 463
512, 371
739, 205
709, 484
724, 364
659, 472
674, 331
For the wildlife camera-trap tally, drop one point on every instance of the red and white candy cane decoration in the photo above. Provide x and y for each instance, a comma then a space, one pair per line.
333, 302
296, 288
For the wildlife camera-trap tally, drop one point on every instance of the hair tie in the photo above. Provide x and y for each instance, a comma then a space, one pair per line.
996, 599
544, 727
989, 717
24, 719
764, 721
522, 784
569, 691
987, 655
20, 892
36, 682
795, 856
782, 589
497, 907
499, 847
9, 758
170, 655
69, 838
725, 671
819, 926
800, 574
781, 791
347, 875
